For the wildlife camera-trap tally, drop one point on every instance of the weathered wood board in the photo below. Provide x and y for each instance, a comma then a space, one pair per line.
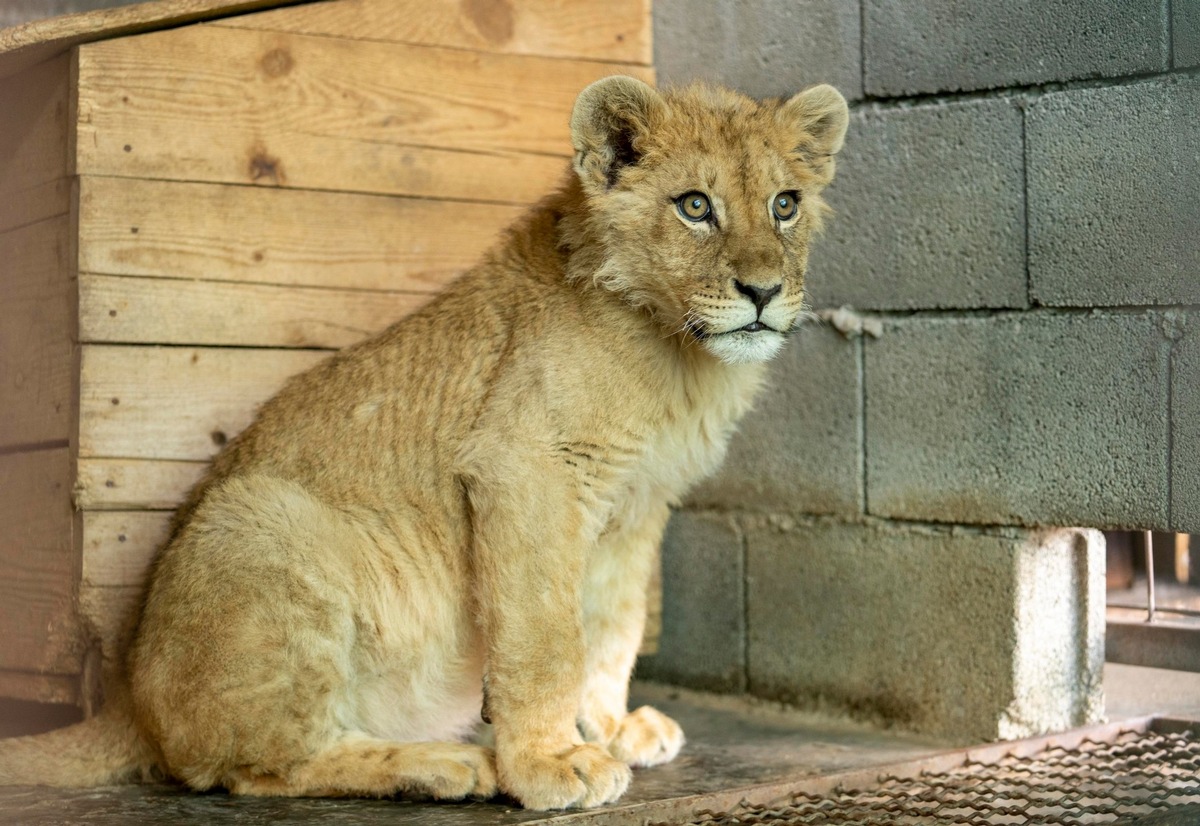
615, 30
301, 238
191, 214
40, 562
310, 112
134, 484
175, 402
34, 161
37, 325
123, 310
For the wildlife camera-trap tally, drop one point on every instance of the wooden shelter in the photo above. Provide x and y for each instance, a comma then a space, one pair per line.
199, 199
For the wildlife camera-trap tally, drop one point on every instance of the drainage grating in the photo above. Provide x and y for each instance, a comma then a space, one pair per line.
1113, 781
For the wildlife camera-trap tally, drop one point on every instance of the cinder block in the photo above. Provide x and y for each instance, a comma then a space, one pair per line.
968, 635
1185, 27
947, 45
1185, 415
800, 450
929, 210
1033, 418
766, 48
702, 643
1114, 218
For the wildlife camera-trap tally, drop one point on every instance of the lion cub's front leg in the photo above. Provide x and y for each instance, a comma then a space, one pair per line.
531, 537
615, 588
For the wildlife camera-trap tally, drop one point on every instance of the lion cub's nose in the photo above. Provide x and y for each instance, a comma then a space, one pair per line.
759, 295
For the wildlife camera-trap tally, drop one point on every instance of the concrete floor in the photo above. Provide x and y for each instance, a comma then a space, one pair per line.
732, 743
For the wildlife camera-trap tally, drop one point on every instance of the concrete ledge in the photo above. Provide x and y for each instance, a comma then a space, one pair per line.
1036, 418
961, 634
948, 45
702, 643
766, 48
800, 449
1113, 213
929, 211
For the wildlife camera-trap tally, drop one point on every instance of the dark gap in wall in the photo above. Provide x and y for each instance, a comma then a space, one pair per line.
32, 447
1027, 91
1025, 203
743, 536
1171, 353
862, 421
1169, 11
862, 46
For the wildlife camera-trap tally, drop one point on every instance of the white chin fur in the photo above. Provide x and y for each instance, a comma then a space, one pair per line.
745, 348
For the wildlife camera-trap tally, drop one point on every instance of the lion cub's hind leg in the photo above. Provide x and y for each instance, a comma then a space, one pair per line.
362, 766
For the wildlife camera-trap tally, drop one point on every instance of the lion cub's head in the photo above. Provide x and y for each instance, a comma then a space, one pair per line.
706, 201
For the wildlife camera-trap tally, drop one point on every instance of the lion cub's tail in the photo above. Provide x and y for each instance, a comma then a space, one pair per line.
105, 750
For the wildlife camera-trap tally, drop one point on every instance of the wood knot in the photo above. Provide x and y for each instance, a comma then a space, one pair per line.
492, 18
265, 167
219, 438
276, 63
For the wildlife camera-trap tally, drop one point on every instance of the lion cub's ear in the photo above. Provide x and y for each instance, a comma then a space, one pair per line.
820, 116
609, 117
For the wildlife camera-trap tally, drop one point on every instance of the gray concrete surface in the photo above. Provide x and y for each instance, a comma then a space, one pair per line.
1113, 213
929, 210
949, 45
1134, 691
1034, 418
800, 449
1185, 413
1185, 28
702, 643
766, 48
966, 634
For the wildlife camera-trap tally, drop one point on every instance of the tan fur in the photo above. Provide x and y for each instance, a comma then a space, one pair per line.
475, 496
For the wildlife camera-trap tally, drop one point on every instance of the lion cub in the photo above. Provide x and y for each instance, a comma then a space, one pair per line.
463, 510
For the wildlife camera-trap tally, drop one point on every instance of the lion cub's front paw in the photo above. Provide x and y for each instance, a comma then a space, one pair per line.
581, 777
646, 737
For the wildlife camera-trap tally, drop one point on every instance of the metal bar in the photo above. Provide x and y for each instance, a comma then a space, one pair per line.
1148, 538
1160, 609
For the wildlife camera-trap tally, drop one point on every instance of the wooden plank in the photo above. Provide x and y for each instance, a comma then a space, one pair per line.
33, 144
277, 109
616, 30
118, 309
118, 546
38, 564
39, 688
238, 233
134, 484
37, 324
175, 402
39, 40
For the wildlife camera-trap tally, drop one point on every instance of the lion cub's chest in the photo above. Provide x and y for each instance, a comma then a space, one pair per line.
687, 445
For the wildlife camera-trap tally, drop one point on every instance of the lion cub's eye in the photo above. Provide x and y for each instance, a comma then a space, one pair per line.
694, 206
784, 205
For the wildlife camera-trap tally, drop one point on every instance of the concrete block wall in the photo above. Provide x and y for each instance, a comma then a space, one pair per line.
1017, 208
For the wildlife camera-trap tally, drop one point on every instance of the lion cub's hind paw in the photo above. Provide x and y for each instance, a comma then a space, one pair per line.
647, 737
582, 777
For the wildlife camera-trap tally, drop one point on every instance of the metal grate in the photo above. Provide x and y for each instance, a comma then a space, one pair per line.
1134, 774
